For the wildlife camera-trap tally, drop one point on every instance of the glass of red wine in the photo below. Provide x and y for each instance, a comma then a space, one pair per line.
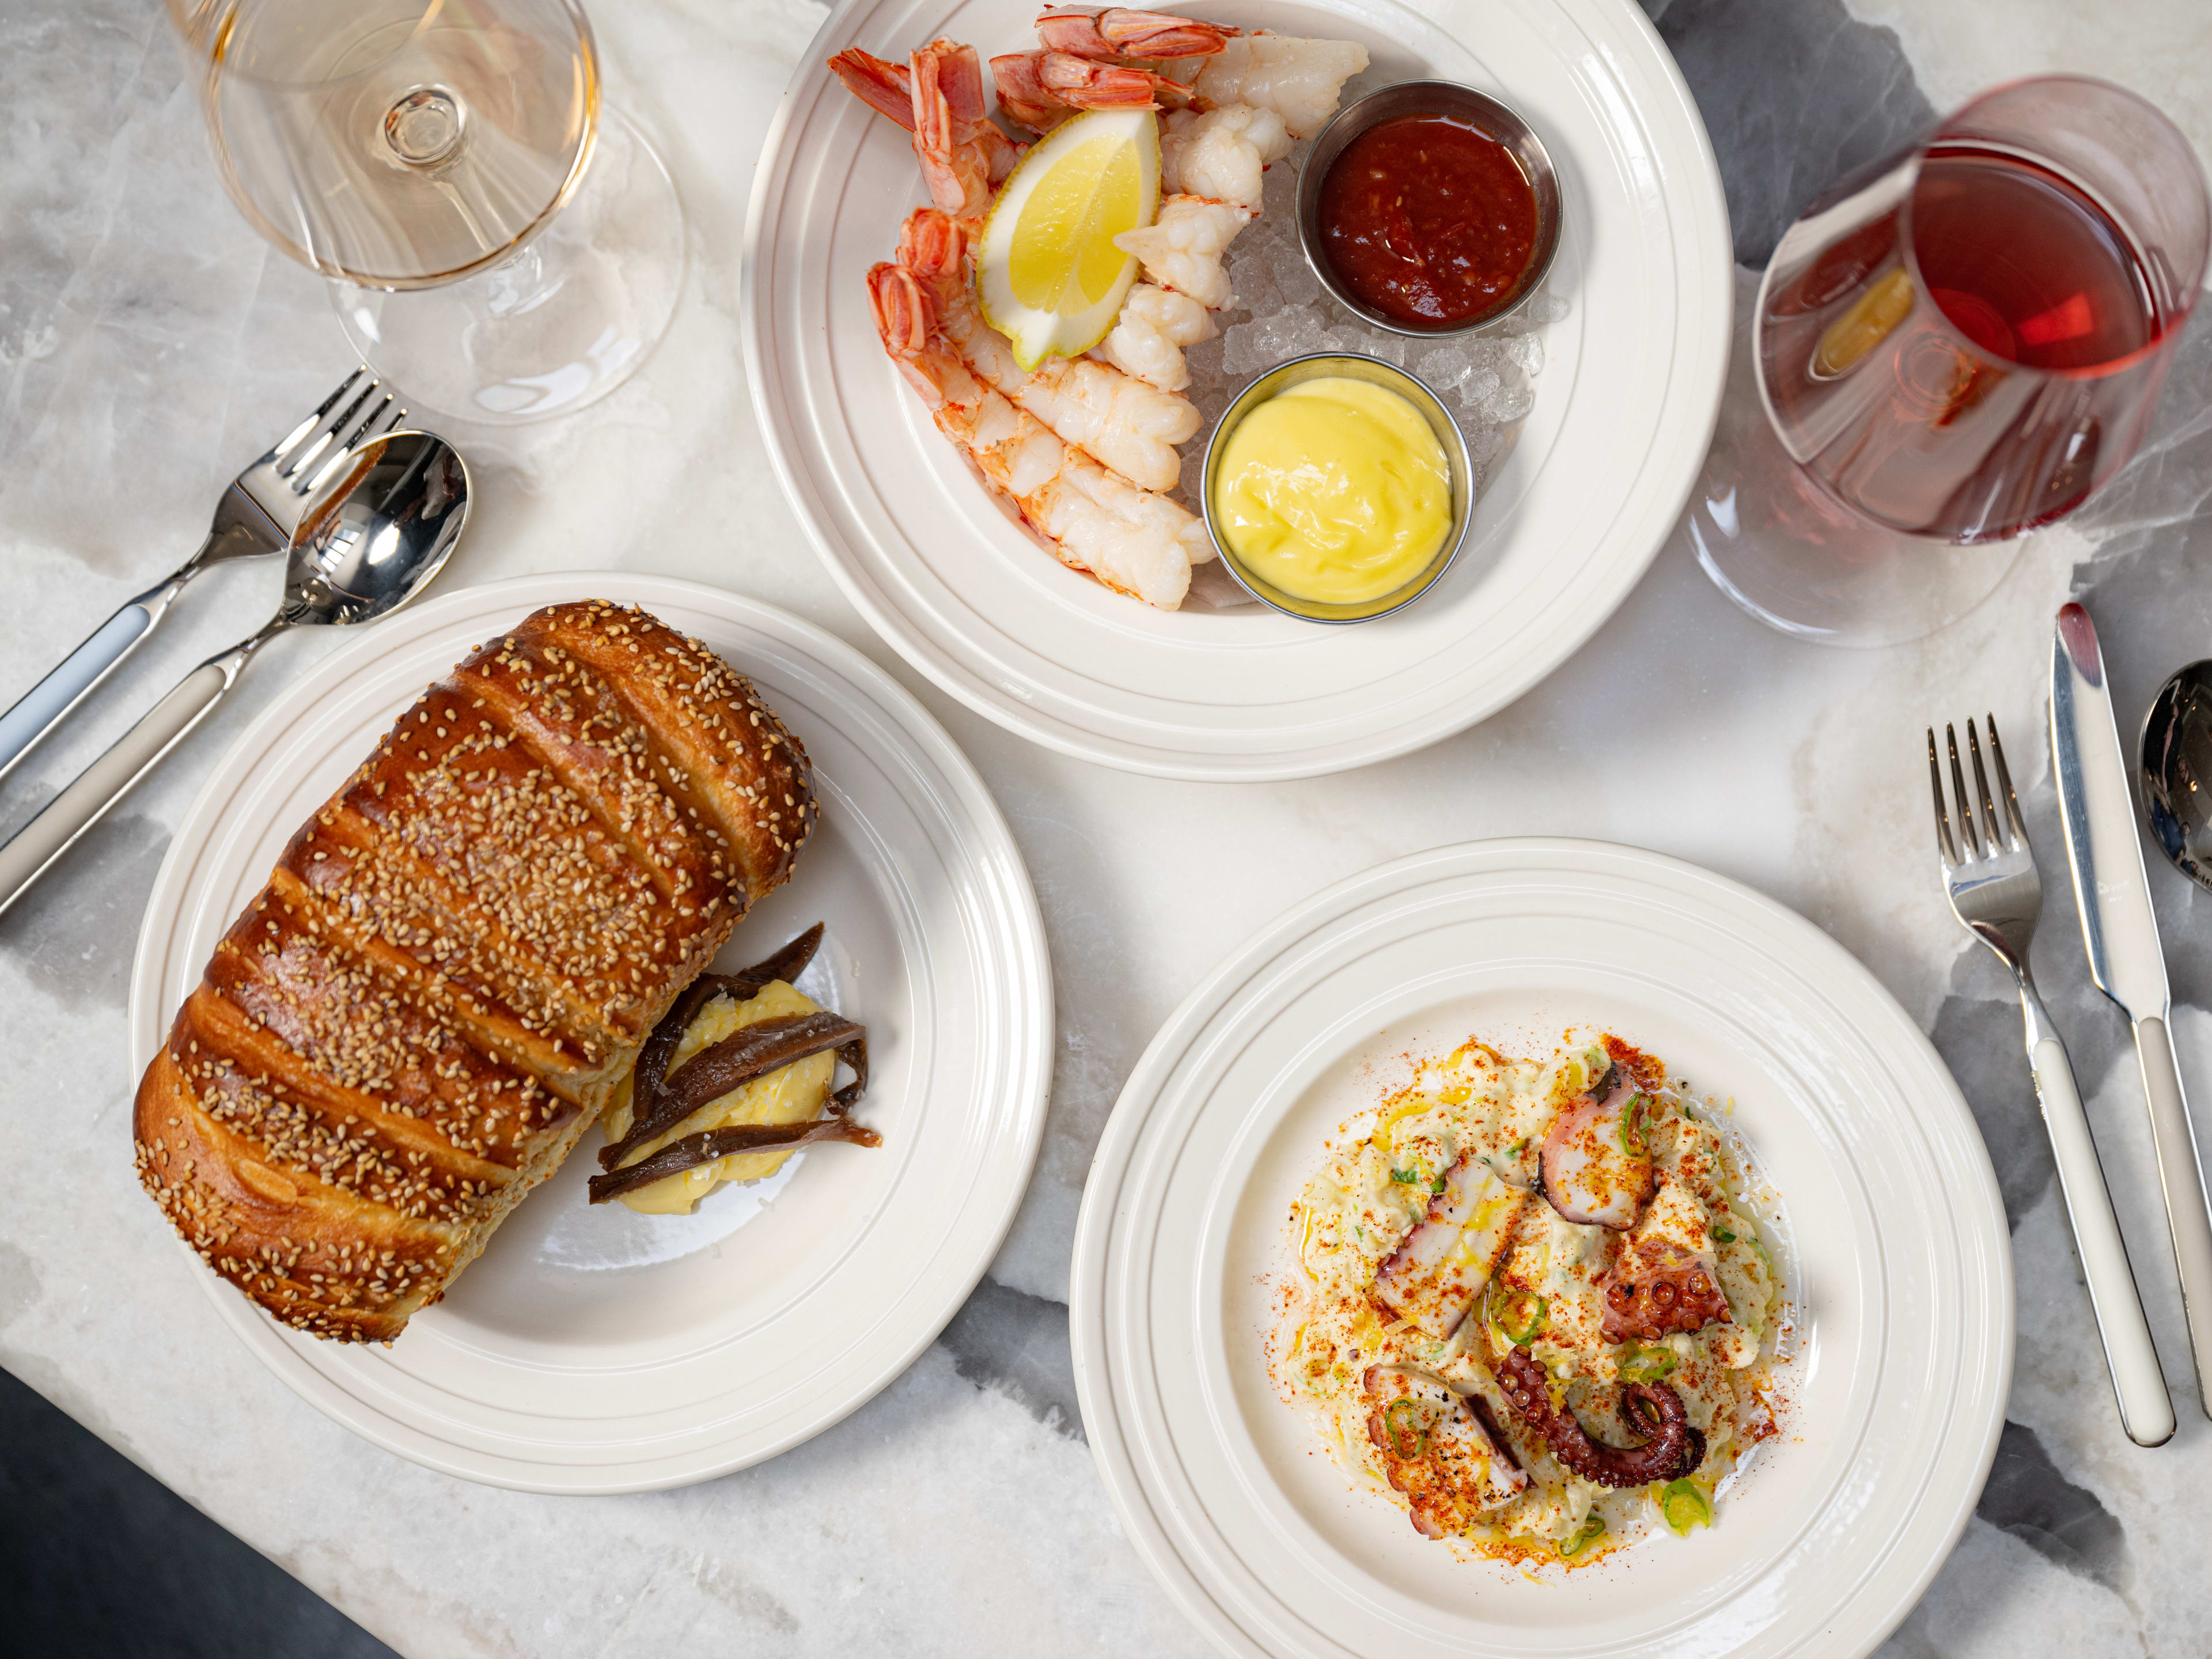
1950, 346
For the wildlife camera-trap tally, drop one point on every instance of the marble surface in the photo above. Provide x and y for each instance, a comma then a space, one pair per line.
149, 342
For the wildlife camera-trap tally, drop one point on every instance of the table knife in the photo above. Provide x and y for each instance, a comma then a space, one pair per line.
2120, 931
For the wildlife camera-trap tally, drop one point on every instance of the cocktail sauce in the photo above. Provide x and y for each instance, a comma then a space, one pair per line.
1427, 219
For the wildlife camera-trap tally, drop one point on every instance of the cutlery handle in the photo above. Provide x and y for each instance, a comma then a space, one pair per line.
26, 854
2146, 1408
2181, 1175
48, 704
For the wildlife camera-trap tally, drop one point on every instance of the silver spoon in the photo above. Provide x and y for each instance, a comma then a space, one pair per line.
372, 541
2177, 770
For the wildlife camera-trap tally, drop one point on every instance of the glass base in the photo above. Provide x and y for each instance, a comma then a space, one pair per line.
1776, 545
561, 323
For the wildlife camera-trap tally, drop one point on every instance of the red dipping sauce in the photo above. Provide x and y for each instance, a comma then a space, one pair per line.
1427, 219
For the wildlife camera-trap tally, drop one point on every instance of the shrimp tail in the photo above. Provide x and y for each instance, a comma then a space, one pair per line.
884, 86
1117, 32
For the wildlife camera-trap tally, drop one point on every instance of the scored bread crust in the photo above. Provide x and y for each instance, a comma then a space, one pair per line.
459, 957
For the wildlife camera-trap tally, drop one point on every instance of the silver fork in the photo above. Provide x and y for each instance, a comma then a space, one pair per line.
257, 514
1988, 873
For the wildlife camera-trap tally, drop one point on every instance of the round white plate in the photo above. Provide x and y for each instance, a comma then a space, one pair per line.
591, 1349
1895, 1254
1625, 406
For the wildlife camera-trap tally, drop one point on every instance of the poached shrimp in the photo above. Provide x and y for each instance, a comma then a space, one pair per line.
1298, 80
1149, 337
1093, 522
1182, 248
1130, 426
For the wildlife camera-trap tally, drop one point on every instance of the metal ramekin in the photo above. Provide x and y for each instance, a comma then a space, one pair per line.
1479, 110
1351, 366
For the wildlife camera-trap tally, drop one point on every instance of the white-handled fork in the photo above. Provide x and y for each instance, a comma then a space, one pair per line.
1988, 873
257, 514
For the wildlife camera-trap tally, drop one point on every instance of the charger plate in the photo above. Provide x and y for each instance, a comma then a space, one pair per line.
591, 1349
1895, 1253
1625, 406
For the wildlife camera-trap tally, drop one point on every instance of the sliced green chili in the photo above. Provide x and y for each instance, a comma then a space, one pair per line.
1632, 1131
1407, 1177
1520, 1315
1642, 1365
1588, 1534
1683, 1505
1723, 1235
1408, 1433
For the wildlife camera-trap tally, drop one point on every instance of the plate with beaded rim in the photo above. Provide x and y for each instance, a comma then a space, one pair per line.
1885, 1220
1572, 513
591, 1349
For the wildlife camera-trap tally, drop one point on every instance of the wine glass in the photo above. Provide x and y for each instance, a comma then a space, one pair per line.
1951, 346
500, 244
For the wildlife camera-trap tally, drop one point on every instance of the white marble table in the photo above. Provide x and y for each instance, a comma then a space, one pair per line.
149, 342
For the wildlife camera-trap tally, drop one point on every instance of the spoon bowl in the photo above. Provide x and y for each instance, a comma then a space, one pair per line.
2177, 771
379, 533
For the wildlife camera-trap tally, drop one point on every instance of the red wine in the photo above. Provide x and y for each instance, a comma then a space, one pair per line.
2024, 264
1984, 379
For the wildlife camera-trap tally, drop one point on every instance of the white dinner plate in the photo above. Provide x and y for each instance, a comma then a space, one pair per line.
591, 1349
1625, 406
1895, 1253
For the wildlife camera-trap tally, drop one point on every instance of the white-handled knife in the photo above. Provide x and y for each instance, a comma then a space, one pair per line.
2120, 931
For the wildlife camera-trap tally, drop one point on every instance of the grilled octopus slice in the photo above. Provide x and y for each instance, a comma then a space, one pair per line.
1597, 1167
1438, 1448
1673, 1447
1439, 1268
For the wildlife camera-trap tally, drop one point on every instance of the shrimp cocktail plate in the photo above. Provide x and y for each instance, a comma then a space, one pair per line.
1006, 268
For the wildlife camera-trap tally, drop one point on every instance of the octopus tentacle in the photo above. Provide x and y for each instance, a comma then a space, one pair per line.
1672, 1450
1657, 1288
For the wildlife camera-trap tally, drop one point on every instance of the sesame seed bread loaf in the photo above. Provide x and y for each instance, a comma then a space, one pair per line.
456, 959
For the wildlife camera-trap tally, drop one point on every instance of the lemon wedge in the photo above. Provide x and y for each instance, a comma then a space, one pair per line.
1048, 275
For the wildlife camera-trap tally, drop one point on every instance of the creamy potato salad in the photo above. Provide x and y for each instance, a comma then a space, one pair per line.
1531, 1302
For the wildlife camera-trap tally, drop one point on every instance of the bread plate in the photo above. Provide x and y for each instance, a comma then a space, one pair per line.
1624, 408
1893, 1239
593, 1349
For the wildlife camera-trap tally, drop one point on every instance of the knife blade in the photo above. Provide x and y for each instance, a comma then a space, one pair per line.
2119, 930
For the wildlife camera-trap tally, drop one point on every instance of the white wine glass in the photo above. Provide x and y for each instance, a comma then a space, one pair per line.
501, 245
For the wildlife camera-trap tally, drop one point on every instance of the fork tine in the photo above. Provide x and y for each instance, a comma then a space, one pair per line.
2004, 785
1944, 846
1969, 838
296, 469
2000, 832
293, 438
387, 420
368, 426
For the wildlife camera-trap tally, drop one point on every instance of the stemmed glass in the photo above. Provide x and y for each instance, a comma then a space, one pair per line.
500, 244
1952, 346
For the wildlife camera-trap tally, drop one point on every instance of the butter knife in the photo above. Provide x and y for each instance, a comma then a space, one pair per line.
2120, 931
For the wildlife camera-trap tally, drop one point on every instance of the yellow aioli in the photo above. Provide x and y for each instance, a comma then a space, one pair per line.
1334, 490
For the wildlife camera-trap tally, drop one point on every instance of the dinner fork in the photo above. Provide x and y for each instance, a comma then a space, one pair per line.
1988, 874
257, 514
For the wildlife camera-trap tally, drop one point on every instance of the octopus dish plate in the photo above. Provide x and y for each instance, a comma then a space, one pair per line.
1802, 1105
